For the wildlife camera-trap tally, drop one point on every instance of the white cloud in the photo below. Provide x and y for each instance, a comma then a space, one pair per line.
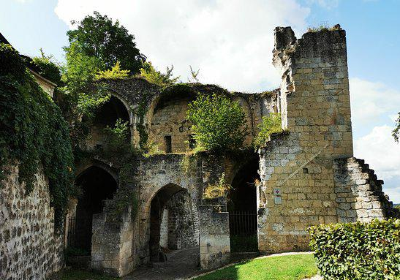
382, 153
328, 4
230, 41
372, 103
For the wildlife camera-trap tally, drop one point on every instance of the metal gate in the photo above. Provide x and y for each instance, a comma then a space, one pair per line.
243, 231
80, 233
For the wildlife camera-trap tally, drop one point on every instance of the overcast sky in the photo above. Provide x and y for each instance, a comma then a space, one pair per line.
231, 42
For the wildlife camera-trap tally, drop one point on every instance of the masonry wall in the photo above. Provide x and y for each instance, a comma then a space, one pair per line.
359, 192
296, 167
214, 237
29, 247
183, 223
112, 244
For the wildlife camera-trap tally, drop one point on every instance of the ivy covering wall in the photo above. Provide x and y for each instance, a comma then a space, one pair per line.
33, 133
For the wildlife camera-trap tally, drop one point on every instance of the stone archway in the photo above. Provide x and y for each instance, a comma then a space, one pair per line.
107, 116
96, 185
172, 222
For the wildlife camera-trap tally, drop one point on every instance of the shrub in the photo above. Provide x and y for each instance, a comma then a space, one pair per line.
270, 124
116, 73
218, 123
357, 250
154, 76
47, 67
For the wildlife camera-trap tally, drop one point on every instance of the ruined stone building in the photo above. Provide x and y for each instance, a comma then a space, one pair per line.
304, 176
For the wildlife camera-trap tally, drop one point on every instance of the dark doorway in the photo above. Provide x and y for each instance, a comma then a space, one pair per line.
96, 185
242, 207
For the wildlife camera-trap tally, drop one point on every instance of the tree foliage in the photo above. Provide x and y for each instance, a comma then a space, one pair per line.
116, 73
154, 76
270, 124
48, 68
396, 130
98, 36
218, 123
33, 132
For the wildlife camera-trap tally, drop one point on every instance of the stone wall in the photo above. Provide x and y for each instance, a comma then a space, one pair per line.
112, 244
214, 237
359, 192
296, 167
183, 224
308, 174
29, 246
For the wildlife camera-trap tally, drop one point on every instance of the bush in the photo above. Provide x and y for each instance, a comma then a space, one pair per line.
357, 250
270, 124
218, 123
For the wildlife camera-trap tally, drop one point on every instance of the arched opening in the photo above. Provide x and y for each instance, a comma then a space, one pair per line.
242, 207
173, 222
96, 185
107, 116
169, 127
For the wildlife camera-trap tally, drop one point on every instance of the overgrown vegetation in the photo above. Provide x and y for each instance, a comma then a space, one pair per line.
270, 124
47, 67
33, 132
292, 267
220, 189
154, 76
357, 250
324, 27
115, 73
396, 130
218, 123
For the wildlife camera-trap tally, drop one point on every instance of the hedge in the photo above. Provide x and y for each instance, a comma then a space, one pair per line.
357, 250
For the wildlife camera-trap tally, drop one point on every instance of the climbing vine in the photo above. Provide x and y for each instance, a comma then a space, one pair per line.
33, 132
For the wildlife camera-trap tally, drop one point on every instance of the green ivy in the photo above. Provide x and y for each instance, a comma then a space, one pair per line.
366, 251
33, 132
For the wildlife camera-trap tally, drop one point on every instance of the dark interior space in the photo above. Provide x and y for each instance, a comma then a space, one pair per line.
111, 111
96, 185
242, 207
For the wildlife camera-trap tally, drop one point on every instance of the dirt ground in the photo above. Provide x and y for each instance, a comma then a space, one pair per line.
180, 264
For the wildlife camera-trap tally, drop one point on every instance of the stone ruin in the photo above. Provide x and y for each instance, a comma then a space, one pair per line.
304, 176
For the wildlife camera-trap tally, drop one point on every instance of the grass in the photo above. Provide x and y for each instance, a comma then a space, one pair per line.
75, 274
290, 267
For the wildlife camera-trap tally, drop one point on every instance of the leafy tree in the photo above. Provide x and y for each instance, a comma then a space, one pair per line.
218, 123
156, 77
270, 124
115, 73
47, 67
396, 130
98, 36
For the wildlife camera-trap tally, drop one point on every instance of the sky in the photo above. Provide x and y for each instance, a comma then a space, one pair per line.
231, 42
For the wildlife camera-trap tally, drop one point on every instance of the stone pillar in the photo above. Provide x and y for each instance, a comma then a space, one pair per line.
112, 245
214, 236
